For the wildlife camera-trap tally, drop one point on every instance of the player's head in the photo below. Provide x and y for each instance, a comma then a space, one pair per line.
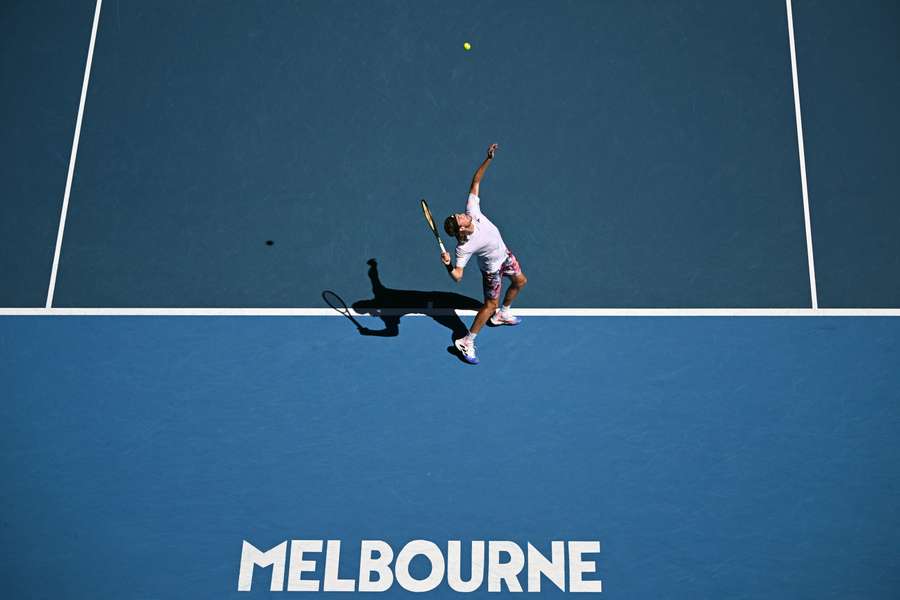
451, 226
458, 225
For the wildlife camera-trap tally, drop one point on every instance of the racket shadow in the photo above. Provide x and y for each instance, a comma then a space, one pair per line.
391, 305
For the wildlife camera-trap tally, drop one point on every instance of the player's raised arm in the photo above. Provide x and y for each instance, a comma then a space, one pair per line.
476, 179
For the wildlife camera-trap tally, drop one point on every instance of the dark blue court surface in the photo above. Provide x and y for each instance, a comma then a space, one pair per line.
649, 155
848, 54
648, 151
712, 458
42, 53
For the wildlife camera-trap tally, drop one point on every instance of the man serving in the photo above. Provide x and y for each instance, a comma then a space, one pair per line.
475, 234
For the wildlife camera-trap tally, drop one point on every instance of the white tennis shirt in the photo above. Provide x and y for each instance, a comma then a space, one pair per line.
485, 243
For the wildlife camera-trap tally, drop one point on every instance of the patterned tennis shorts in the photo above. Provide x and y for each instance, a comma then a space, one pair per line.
493, 281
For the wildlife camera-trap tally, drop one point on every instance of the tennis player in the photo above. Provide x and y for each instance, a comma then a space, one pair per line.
476, 235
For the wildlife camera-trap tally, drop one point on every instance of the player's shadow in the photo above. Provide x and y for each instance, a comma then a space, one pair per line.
391, 305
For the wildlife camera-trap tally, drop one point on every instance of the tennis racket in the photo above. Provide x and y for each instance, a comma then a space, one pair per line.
338, 304
430, 220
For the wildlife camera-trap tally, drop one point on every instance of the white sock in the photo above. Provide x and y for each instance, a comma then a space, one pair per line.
471, 337
505, 308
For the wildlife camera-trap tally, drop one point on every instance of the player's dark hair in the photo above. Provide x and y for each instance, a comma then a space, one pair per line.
451, 226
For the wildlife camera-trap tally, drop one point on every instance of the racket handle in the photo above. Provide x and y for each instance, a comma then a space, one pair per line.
442, 246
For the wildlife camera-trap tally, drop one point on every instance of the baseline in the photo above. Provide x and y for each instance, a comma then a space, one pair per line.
525, 312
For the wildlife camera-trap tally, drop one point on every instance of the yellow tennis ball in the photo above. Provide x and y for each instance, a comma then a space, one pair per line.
467, 46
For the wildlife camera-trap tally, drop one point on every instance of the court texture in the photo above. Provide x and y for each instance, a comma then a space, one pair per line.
702, 399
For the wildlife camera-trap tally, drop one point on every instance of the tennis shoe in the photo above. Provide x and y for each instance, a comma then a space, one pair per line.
504, 317
466, 350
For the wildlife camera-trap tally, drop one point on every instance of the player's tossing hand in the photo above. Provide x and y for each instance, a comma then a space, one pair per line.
445, 258
491, 149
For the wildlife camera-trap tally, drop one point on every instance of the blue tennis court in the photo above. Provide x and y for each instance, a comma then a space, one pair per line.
701, 401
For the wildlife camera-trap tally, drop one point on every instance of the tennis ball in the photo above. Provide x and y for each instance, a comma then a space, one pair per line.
467, 46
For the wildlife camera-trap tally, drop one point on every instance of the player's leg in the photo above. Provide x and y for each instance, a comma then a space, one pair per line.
484, 313
511, 269
491, 283
517, 282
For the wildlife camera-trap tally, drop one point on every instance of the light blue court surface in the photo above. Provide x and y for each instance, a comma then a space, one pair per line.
712, 458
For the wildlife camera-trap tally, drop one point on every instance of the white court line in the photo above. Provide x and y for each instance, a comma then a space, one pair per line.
525, 312
72, 156
809, 243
